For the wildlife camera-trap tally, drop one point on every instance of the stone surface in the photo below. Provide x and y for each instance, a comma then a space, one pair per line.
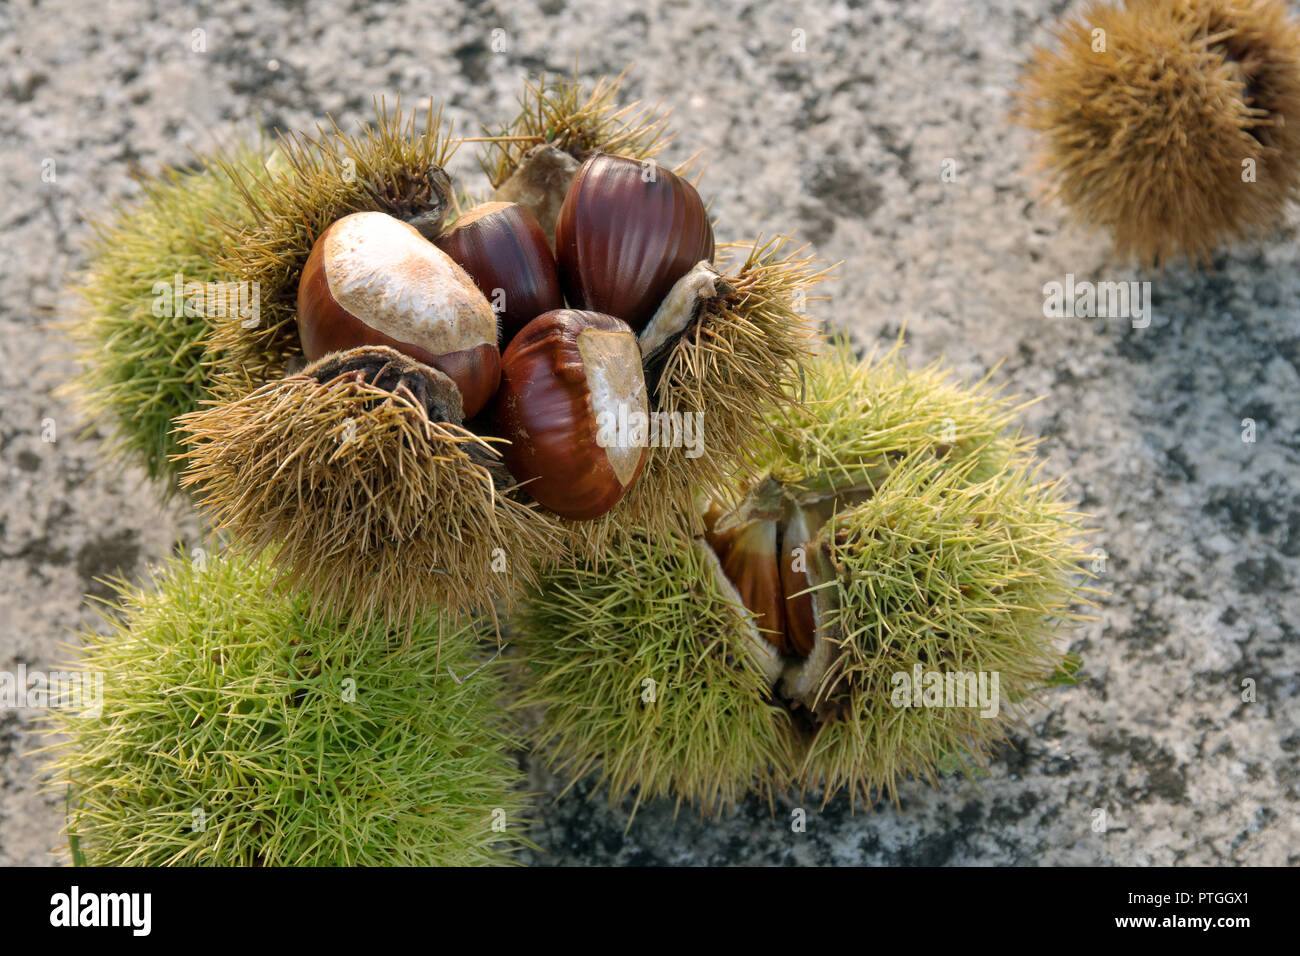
844, 141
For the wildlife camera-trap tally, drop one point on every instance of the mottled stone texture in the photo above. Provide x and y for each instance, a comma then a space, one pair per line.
844, 141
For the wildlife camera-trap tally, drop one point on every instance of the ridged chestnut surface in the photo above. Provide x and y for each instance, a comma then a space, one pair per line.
373, 280
627, 231
503, 249
567, 379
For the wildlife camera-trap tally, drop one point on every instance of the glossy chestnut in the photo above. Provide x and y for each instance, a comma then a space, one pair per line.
503, 249
568, 380
748, 555
627, 231
373, 280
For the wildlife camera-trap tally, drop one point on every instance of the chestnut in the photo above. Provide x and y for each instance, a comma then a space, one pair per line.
374, 280
567, 380
749, 558
628, 230
757, 556
503, 249
800, 619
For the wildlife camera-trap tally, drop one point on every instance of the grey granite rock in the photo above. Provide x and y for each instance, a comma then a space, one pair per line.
844, 137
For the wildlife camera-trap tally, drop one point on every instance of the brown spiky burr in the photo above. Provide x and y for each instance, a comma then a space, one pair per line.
1172, 124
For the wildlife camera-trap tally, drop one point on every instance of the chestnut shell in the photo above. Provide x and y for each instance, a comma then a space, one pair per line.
749, 558
331, 328
800, 623
544, 408
622, 242
502, 246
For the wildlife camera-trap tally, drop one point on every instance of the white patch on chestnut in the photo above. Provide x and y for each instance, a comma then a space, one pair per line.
616, 388
391, 278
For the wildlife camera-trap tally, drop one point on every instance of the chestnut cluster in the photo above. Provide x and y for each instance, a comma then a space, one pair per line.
540, 335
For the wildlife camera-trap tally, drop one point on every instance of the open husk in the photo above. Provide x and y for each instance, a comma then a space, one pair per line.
932, 542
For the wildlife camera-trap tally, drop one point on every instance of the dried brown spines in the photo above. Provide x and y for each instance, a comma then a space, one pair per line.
738, 361
560, 114
1175, 124
389, 166
363, 499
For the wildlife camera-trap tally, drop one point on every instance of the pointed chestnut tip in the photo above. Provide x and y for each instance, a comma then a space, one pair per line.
627, 231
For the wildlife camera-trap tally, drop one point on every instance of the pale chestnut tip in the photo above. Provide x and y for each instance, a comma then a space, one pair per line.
628, 230
502, 248
540, 184
372, 280
570, 381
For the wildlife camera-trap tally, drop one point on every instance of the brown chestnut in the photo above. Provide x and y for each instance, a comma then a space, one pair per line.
567, 379
627, 231
748, 555
800, 620
766, 560
502, 248
374, 280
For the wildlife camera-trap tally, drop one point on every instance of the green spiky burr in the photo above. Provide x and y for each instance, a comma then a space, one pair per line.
641, 668
236, 728
918, 528
141, 346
